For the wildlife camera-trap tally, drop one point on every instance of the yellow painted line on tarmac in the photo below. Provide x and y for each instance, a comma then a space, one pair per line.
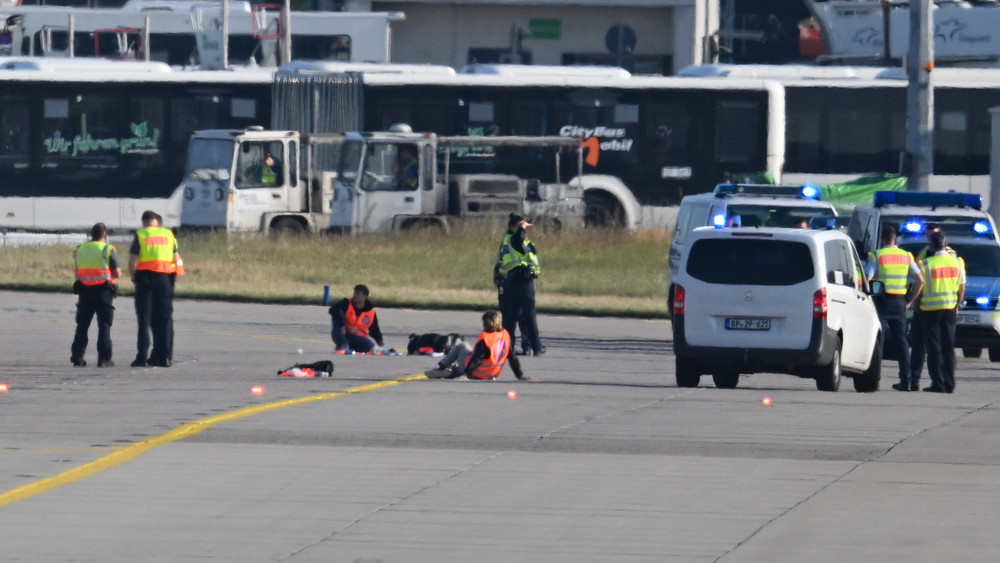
134, 450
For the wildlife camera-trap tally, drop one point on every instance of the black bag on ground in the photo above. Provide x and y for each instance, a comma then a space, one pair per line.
442, 343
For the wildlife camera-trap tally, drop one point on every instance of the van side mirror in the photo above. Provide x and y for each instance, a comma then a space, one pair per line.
877, 288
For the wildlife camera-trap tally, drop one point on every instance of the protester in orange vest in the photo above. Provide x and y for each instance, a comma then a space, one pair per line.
154, 265
353, 320
485, 360
97, 270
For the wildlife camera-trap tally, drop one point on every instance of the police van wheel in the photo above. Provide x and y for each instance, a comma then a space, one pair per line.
868, 381
972, 352
828, 378
994, 352
687, 373
726, 378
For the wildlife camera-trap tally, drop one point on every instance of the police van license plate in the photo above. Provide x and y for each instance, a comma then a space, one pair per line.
968, 319
748, 324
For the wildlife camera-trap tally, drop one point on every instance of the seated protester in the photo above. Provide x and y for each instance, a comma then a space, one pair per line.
352, 320
485, 360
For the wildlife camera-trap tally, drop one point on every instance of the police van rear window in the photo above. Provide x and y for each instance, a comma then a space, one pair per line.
750, 261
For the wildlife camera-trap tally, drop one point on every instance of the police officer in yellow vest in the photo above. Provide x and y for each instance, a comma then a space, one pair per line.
945, 291
894, 267
154, 264
517, 268
97, 271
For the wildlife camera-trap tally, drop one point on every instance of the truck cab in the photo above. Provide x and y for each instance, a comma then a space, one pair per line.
248, 180
384, 182
389, 181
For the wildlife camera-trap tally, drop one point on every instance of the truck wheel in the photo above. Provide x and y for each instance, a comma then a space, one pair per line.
868, 381
994, 352
726, 378
687, 373
603, 211
828, 378
972, 352
287, 226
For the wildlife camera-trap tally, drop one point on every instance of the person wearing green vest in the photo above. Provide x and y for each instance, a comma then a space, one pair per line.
516, 269
154, 265
270, 171
894, 267
96, 269
917, 350
945, 291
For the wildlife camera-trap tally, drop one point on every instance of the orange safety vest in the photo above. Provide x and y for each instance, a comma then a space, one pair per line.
499, 345
358, 324
92, 259
156, 251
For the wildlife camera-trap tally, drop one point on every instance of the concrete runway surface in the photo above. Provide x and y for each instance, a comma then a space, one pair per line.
601, 459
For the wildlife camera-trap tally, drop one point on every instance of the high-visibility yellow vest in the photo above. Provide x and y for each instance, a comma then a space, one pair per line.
268, 176
942, 274
510, 258
892, 269
156, 250
92, 260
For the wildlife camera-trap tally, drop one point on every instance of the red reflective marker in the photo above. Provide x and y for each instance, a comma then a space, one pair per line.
512, 394
766, 401
3, 387
257, 390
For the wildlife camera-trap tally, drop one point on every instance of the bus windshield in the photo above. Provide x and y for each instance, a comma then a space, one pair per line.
209, 159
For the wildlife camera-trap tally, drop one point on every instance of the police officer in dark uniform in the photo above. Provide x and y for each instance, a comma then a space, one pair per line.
97, 270
517, 268
154, 264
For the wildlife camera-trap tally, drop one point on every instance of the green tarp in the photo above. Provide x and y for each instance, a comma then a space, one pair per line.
846, 195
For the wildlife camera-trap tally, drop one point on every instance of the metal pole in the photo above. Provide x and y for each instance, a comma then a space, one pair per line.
286, 32
72, 36
225, 34
994, 209
920, 97
145, 39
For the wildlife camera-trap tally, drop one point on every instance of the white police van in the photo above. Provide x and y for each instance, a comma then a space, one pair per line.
745, 205
970, 232
776, 300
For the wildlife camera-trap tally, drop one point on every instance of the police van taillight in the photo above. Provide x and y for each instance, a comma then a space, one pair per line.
820, 306
678, 300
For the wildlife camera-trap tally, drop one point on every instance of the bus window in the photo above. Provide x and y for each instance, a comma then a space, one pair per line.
81, 136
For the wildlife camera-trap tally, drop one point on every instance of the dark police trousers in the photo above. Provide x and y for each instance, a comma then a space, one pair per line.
518, 306
94, 300
939, 338
892, 313
154, 311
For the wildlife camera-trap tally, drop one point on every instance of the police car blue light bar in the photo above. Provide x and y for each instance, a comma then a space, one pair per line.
928, 199
807, 191
719, 220
913, 226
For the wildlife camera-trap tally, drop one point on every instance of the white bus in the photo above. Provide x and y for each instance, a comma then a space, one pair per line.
87, 140
844, 122
649, 140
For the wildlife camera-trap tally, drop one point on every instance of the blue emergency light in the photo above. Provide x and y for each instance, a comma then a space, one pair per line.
928, 199
913, 226
807, 191
981, 228
983, 301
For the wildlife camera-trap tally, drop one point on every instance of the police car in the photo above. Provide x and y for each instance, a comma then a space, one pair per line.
746, 205
774, 300
971, 233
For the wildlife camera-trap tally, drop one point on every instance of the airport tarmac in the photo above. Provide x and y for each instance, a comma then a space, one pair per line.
602, 458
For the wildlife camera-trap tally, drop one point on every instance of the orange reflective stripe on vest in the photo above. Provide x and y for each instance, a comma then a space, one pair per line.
92, 262
499, 345
156, 250
358, 324
943, 274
